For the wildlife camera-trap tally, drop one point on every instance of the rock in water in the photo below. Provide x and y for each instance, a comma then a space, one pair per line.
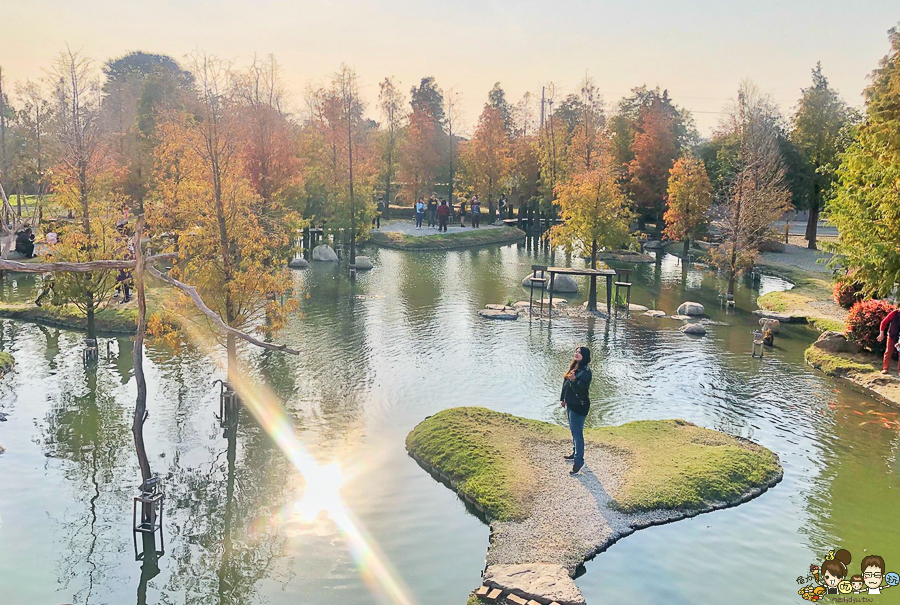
323, 252
694, 330
835, 342
653, 245
544, 581
565, 284
785, 318
504, 313
690, 308
363, 263
298, 263
770, 324
637, 308
655, 313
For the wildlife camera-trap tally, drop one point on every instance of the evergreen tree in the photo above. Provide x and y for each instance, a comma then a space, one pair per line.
818, 122
866, 206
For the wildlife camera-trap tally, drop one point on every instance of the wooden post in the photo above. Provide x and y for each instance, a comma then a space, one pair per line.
550, 309
137, 354
608, 294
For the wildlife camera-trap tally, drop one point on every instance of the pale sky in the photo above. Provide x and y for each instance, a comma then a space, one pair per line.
699, 49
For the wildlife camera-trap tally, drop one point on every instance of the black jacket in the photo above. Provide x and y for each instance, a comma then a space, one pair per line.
575, 392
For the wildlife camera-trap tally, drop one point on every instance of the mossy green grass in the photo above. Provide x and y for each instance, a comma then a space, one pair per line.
670, 464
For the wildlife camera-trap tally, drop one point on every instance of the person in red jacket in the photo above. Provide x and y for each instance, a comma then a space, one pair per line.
891, 325
443, 214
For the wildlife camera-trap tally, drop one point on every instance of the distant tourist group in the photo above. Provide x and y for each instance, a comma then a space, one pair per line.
437, 212
440, 213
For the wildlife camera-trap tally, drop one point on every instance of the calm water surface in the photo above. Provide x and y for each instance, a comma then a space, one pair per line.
378, 356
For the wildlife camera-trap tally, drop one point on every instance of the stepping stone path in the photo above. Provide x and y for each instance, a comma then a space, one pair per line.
681, 317
655, 313
557, 302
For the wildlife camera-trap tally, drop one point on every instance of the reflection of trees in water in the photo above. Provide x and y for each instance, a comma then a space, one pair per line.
87, 428
229, 541
334, 353
421, 285
843, 497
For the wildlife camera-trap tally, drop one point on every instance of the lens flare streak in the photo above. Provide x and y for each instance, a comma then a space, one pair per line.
375, 569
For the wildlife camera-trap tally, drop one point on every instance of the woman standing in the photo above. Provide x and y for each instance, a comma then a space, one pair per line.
574, 397
462, 213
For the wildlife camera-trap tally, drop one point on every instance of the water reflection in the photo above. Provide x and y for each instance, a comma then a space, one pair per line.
378, 354
86, 428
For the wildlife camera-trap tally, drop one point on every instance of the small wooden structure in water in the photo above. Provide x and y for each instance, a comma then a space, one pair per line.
593, 274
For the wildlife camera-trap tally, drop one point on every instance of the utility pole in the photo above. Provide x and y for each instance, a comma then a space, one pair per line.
543, 97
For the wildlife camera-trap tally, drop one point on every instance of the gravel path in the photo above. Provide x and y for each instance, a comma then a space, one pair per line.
571, 519
797, 256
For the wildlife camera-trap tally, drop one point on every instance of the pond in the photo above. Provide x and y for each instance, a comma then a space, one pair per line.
378, 355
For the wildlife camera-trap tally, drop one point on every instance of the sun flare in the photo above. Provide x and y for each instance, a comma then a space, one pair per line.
321, 493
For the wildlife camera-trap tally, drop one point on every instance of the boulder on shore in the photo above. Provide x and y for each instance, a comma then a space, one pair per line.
771, 245
298, 263
694, 330
324, 253
363, 263
835, 342
770, 324
690, 308
565, 284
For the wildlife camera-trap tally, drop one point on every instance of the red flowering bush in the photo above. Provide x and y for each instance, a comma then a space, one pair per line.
864, 323
846, 294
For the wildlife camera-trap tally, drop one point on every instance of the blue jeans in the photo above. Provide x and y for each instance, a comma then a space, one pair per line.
419, 217
576, 425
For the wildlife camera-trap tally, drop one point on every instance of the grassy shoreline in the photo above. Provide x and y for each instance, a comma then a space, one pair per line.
861, 369
808, 288
445, 241
107, 321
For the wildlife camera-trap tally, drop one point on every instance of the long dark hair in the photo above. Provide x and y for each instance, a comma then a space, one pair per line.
585, 360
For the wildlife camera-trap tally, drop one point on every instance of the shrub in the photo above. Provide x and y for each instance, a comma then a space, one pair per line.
846, 294
863, 323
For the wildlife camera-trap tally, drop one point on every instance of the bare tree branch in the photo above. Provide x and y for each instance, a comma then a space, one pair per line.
87, 267
198, 302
